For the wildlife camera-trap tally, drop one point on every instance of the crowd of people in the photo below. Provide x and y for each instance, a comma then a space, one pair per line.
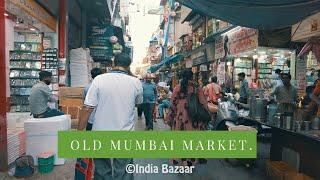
110, 101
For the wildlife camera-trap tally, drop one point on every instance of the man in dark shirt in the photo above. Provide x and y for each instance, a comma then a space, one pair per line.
40, 96
149, 100
244, 88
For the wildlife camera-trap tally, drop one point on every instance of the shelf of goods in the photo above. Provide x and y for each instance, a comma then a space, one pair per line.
25, 66
49, 62
265, 70
244, 66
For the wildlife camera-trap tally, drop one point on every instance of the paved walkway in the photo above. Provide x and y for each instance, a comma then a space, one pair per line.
216, 169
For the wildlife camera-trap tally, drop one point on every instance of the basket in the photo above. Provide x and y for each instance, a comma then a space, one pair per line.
45, 162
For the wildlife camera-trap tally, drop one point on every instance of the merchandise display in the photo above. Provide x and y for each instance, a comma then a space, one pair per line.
24, 72
49, 62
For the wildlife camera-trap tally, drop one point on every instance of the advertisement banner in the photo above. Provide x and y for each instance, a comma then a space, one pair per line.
98, 36
301, 76
310, 27
243, 40
161, 144
221, 72
219, 48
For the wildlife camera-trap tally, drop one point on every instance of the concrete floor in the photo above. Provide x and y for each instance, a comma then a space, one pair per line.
216, 169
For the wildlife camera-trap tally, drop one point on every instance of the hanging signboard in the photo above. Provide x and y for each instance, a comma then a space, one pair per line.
243, 40
98, 41
200, 56
219, 48
310, 27
221, 72
36, 11
301, 70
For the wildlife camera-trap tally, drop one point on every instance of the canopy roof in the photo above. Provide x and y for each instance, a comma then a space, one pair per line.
260, 14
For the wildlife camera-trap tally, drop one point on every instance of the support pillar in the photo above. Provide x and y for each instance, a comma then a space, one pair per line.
63, 28
3, 96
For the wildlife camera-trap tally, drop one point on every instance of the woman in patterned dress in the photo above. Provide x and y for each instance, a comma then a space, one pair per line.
178, 117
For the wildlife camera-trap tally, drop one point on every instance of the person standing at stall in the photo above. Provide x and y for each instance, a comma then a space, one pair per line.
94, 73
244, 88
40, 96
286, 95
149, 100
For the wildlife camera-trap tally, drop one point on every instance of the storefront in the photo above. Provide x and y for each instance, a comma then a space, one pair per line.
308, 31
239, 51
31, 45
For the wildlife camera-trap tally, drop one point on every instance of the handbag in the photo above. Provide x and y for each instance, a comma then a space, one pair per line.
196, 111
84, 169
24, 166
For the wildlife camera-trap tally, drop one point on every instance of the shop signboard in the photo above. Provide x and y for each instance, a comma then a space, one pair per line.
98, 41
221, 72
243, 40
219, 48
199, 56
36, 11
310, 27
301, 70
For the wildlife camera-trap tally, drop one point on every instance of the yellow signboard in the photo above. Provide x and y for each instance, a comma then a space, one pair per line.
35, 10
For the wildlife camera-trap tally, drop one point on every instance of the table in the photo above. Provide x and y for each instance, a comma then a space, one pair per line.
302, 142
307, 145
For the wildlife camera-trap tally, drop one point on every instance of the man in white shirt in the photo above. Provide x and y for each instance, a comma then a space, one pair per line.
114, 95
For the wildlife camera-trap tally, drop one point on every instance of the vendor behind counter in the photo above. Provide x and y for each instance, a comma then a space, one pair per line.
285, 95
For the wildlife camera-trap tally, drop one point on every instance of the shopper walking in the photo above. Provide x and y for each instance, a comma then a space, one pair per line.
94, 73
149, 100
244, 88
114, 96
213, 91
40, 96
178, 117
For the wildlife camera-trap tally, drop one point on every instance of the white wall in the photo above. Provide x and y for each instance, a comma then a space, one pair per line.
9, 30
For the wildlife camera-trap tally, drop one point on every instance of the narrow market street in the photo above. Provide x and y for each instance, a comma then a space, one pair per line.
112, 89
216, 169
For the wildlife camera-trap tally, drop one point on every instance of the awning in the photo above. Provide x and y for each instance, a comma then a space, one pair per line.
172, 59
314, 46
259, 14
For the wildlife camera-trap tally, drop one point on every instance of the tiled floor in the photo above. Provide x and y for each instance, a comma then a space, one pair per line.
216, 169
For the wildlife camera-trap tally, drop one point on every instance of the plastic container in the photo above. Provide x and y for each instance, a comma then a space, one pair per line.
45, 162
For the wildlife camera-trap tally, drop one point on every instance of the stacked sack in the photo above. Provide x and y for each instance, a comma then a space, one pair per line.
80, 66
16, 145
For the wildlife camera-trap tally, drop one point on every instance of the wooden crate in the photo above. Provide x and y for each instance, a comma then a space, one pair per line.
71, 92
70, 102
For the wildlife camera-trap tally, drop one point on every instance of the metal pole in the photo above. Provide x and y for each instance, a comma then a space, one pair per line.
166, 35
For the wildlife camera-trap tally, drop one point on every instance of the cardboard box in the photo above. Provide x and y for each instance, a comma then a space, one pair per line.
71, 92
296, 176
71, 102
276, 170
74, 112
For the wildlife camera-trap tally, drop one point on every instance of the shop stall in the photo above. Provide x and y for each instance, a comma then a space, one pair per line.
240, 50
31, 39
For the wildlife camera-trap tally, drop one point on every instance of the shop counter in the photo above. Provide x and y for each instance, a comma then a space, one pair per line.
306, 143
